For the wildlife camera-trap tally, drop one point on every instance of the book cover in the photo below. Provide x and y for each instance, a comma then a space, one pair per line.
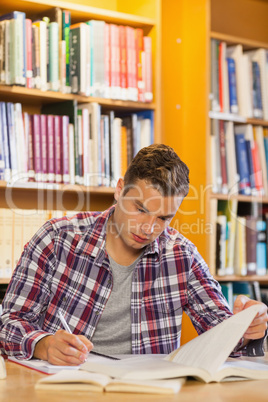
117, 72
5, 142
251, 245
37, 146
140, 60
148, 82
58, 148
261, 249
29, 65
123, 62
97, 57
50, 149
66, 23
131, 64
67, 108
79, 39
242, 162
256, 90
18, 46
64, 123
53, 29
42, 44
232, 85
44, 146
223, 157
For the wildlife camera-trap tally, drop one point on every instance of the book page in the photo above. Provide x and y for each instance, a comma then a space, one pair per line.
211, 349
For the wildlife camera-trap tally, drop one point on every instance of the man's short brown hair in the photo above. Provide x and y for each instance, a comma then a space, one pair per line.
159, 165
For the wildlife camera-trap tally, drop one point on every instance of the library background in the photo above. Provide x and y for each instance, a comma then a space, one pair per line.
84, 85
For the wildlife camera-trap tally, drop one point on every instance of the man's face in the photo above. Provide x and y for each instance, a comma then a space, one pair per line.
142, 214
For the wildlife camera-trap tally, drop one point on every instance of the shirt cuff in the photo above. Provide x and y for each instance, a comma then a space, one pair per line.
29, 342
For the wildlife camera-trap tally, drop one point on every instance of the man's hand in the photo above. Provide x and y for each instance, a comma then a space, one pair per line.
257, 328
63, 349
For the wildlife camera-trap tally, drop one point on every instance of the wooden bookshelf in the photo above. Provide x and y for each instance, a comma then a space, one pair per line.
145, 14
188, 27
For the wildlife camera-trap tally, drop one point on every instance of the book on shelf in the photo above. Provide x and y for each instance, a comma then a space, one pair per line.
201, 358
261, 247
251, 244
89, 58
246, 78
232, 85
242, 161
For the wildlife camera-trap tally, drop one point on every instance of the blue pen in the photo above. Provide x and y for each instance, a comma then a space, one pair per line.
67, 328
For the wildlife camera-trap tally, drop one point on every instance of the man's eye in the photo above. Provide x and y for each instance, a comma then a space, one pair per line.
140, 210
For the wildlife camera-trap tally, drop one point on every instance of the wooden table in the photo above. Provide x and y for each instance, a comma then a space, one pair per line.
20, 382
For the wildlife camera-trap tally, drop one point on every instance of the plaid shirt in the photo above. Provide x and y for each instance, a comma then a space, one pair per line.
65, 266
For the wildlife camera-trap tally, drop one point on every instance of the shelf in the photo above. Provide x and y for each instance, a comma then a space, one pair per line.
234, 40
79, 12
236, 118
26, 95
249, 278
239, 197
55, 196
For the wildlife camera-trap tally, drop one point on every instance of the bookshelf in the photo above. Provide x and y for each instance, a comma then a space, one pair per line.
187, 30
144, 14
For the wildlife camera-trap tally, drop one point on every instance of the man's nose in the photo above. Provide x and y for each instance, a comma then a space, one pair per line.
149, 225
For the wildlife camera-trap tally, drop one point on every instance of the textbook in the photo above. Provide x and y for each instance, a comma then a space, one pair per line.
204, 357
78, 380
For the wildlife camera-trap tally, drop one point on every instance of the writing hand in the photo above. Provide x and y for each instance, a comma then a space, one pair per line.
63, 349
257, 328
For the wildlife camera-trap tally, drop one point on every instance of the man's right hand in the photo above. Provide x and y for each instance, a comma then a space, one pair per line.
63, 349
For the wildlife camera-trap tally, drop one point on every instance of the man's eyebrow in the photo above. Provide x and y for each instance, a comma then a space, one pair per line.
140, 204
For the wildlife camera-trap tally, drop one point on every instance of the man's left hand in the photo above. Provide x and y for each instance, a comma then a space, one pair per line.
257, 328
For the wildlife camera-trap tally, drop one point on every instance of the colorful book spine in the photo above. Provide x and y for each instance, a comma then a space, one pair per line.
261, 248
256, 90
58, 149
140, 61
65, 148
115, 73
50, 149
37, 147
131, 64
29, 64
66, 23
123, 62
232, 85
44, 143
53, 29
147, 41
242, 164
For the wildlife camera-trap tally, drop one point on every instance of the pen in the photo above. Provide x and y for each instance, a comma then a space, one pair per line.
67, 328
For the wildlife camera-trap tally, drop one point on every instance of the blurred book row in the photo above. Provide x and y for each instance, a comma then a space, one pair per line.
91, 58
239, 158
241, 239
239, 80
70, 143
251, 289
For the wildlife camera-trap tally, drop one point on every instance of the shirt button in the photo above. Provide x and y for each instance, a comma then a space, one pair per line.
97, 312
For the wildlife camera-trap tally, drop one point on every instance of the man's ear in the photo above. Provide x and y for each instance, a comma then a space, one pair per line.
119, 188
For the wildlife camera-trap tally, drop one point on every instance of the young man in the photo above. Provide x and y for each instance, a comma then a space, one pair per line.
121, 278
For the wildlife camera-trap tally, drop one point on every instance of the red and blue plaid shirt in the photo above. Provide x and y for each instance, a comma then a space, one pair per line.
65, 266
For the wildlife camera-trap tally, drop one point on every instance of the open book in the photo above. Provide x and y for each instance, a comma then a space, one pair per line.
204, 357
79, 380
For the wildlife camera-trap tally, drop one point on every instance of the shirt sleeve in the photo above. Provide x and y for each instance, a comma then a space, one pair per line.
27, 296
207, 306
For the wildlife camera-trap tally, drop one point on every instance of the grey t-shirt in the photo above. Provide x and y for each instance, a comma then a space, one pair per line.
113, 332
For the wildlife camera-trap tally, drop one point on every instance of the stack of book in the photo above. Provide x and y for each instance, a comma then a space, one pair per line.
239, 80
241, 241
91, 58
239, 156
68, 143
